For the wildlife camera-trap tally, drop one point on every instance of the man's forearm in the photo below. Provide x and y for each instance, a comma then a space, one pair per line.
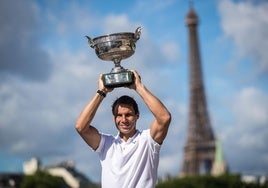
88, 113
159, 127
154, 104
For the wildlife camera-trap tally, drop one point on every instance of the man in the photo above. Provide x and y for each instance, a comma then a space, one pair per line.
131, 158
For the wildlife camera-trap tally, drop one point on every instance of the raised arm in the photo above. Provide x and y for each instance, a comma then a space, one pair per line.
83, 124
159, 127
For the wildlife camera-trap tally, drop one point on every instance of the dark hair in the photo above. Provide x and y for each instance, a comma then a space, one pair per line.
127, 100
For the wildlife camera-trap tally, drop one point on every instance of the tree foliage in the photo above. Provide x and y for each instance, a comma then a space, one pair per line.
42, 180
225, 181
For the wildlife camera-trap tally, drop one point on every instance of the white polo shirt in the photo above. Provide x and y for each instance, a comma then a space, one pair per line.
129, 164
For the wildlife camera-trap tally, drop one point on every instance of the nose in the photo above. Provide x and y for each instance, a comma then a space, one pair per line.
124, 118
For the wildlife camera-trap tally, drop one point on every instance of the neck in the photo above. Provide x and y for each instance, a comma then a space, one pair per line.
125, 137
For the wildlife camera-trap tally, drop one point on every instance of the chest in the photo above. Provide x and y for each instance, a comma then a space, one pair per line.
121, 153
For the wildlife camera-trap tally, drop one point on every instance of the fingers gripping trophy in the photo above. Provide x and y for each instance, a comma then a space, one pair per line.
116, 47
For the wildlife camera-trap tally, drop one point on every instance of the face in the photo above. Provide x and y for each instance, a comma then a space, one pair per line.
125, 121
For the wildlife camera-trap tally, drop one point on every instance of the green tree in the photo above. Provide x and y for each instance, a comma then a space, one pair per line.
225, 181
42, 180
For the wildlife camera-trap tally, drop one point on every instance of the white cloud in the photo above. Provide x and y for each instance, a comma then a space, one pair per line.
171, 51
248, 133
250, 107
19, 35
118, 23
245, 132
246, 23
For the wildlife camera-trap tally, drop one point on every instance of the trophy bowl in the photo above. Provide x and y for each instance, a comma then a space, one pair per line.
115, 47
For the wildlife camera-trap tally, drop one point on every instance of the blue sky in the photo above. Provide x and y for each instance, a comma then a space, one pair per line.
48, 73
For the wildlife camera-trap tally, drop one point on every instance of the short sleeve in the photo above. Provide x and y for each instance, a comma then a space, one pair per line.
101, 145
105, 144
153, 144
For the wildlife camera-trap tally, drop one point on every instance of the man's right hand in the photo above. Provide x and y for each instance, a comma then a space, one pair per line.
102, 87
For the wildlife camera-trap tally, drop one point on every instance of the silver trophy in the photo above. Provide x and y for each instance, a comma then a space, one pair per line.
115, 47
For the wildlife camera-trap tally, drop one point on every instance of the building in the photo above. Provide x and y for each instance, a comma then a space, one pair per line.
200, 148
66, 170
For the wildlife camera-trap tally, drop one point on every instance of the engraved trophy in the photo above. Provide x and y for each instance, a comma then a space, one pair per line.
116, 47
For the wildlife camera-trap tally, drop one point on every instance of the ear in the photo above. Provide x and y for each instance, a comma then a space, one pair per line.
138, 115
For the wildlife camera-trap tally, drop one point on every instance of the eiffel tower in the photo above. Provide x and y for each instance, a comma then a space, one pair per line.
199, 151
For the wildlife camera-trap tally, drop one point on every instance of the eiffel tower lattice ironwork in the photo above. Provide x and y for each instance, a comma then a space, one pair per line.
199, 151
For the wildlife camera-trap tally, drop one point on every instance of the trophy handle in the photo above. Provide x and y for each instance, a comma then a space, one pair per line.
90, 41
137, 33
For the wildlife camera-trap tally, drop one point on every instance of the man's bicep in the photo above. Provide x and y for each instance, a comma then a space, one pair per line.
158, 132
92, 137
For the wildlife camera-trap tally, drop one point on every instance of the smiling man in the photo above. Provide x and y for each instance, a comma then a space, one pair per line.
131, 158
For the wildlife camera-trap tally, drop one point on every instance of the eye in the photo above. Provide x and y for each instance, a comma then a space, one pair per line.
129, 115
118, 115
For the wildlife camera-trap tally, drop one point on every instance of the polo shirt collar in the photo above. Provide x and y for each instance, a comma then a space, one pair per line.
120, 140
